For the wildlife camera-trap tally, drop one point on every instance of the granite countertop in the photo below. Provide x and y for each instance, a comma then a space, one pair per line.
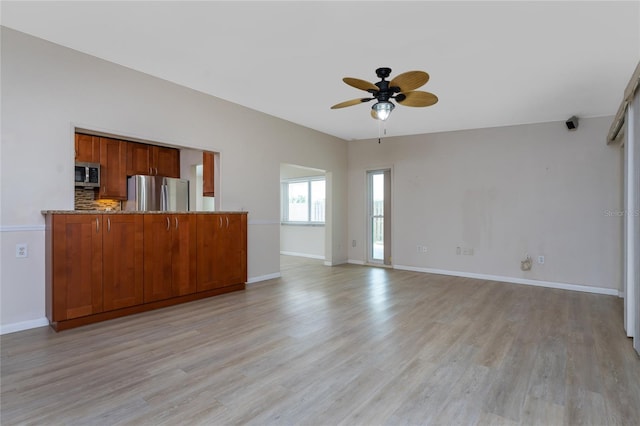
45, 212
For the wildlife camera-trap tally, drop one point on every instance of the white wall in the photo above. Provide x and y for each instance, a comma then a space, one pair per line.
505, 192
47, 90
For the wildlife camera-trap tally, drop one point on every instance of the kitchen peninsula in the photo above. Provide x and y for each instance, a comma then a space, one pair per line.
107, 264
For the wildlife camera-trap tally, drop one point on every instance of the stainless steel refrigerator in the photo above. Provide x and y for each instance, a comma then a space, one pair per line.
157, 193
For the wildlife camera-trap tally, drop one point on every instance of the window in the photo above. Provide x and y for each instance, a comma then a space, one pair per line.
303, 200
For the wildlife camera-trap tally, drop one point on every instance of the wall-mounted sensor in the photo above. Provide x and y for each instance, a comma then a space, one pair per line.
572, 123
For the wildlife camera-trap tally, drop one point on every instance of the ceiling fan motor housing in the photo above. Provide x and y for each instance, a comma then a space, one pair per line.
383, 72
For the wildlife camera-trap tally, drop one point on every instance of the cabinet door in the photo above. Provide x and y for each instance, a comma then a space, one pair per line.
232, 245
87, 148
222, 250
76, 266
138, 159
113, 173
157, 257
165, 161
183, 252
122, 260
208, 265
208, 174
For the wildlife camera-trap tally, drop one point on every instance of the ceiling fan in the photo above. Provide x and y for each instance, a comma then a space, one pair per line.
401, 88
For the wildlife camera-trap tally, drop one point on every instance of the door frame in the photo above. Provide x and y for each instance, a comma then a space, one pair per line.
388, 221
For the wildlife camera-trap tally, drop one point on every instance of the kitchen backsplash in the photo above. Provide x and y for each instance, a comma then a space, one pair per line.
85, 200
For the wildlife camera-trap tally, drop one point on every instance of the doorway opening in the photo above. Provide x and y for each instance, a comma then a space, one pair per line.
302, 211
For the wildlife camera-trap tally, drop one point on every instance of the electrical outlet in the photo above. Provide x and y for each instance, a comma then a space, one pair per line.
467, 251
458, 250
424, 249
541, 260
22, 250
353, 243
418, 249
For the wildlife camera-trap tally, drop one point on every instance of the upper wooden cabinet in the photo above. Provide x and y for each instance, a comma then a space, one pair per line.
165, 161
113, 173
145, 159
208, 169
87, 148
138, 159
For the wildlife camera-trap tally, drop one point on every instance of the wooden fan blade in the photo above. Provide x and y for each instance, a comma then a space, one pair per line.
360, 84
417, 99
409, 80
351, 102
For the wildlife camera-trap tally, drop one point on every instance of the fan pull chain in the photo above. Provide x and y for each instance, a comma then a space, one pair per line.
380, 130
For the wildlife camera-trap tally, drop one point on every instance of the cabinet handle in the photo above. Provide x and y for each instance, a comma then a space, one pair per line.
108, 224
227, 217
168, 223
176, 219
97, 225
150, 171
156, 171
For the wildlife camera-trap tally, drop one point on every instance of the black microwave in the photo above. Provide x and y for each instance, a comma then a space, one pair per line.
87, 175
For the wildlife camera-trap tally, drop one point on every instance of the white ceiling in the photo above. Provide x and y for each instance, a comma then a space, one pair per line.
491, 63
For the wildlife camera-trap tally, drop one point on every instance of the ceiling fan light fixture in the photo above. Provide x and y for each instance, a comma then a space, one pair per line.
382, 110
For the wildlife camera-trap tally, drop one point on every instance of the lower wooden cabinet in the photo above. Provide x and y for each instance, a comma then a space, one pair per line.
103, 266
74, 266
122, 256
222, 250
169, 256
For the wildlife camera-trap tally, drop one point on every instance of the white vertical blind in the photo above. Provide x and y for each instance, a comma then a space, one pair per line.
632, 222
634, 216
629, 224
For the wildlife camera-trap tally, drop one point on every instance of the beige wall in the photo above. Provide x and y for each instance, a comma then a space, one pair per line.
47, 90
505, 192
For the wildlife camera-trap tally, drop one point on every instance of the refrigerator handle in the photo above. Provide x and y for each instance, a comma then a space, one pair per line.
163, 198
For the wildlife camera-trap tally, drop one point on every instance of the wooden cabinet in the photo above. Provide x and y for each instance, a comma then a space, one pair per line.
122, 258
222, 250
95, 264
103, 266
138, 159
87, 148
74, 266
145, 159
165, 161
113, 162
169, 256
208, 169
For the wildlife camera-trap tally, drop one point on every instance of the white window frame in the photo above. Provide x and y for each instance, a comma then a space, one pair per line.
284, 208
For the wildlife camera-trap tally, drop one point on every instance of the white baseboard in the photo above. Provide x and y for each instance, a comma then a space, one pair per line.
513, 280
329, 263
311, 256
24, 325
263, 278
355, 262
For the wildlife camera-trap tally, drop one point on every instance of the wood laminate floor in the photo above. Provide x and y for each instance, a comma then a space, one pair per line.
343, 345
